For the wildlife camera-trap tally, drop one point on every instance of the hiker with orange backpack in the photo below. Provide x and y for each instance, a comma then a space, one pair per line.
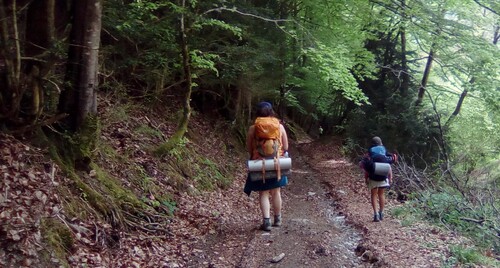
267, 139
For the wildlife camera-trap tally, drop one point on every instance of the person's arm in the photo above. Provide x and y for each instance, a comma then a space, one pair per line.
284, 139
250, 140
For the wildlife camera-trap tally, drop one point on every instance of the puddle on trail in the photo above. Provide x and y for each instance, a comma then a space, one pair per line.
349, 236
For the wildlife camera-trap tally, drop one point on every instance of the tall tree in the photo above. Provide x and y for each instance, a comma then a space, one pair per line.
186, 66
79, 99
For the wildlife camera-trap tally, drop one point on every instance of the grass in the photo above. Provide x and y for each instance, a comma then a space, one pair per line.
148, 131
407, 214
468, 257
447, 210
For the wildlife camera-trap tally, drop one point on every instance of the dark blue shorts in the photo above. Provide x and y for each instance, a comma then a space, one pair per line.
261, 185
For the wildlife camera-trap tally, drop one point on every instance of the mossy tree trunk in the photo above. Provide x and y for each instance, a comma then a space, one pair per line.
186, 112
79, 98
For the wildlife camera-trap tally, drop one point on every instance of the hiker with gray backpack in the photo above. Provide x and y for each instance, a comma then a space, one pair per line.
378, 175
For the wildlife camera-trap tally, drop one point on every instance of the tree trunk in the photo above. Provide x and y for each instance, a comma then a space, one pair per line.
425, 78
405, 77
187, 77
79, 99
186, 114
457, 109
10, 96
40, 36
496, 35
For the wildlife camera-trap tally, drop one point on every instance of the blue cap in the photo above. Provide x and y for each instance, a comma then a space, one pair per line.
265, 104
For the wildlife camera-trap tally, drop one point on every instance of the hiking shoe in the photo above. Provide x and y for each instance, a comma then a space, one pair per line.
381, 215
376, 218
266, 225
277, 221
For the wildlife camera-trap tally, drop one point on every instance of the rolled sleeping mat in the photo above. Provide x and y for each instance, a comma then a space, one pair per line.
256, 165
382, 169
257, 175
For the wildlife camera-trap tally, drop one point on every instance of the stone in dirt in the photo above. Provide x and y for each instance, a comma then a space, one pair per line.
278, 258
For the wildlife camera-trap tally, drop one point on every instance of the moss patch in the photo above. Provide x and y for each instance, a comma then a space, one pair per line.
117, 191
59, 240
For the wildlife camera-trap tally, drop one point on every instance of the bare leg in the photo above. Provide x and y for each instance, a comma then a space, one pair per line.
374, 195
276, 196
264, 204
381, 199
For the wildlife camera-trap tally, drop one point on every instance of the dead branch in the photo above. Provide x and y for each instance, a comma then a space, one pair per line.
46, 122
409, 178
473, 220
156, 127
487, 7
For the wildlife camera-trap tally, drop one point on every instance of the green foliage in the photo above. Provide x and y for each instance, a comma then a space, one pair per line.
173, 147
452, 212
334, 71
484, 126
468, 257
407, 132
149, 131
219, 25
202, 60
141, 25
408, 214
477, 221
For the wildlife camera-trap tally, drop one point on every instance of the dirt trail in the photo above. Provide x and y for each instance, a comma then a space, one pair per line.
326, 223
313, 233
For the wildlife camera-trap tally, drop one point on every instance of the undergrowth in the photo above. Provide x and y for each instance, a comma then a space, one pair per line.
197, 168
452, 211
115, 184
468, 257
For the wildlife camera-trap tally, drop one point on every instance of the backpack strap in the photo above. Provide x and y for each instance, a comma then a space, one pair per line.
277, 167
263, 170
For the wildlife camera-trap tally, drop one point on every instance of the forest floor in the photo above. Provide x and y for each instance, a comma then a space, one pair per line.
327, 218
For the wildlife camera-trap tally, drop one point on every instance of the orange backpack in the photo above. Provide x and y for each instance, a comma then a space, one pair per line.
267, 137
